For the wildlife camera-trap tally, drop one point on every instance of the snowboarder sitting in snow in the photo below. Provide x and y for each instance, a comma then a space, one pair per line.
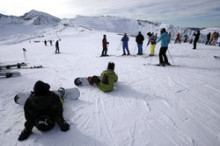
108, 78
42, 109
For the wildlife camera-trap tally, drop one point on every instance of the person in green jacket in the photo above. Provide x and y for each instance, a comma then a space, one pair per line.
107, 79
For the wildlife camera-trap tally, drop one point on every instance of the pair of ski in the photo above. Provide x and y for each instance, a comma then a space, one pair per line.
9, 74
22, 65
150, 64
17, 65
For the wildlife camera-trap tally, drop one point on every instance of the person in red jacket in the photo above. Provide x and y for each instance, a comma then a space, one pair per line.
177, 38
104, 45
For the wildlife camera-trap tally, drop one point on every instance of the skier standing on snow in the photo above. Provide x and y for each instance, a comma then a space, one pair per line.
152, 40
42, 109
165, 40
57, 47
177, 38
185, 38
196, 39
208, 38
45, 42
125, 40
139, 40
212, 38
170, 35
104, 45
51, 42
108, 78
215, 38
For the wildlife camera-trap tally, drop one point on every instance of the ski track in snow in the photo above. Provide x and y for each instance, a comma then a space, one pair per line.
150, 105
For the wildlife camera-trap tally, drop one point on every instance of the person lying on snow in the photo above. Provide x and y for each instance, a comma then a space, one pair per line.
42, 109
108, 78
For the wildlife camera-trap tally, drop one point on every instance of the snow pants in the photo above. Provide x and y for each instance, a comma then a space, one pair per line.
162, 55
140, 50
125, 47
95, 80
57, 50
194, 44
152, 46
104, 51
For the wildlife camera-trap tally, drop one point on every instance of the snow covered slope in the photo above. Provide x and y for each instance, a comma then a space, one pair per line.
156, 106
34, 24
124, 25
31, 25
40, 18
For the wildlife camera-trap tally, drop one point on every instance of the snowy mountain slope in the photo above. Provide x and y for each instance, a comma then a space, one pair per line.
124, 25
156, 106
40, 18
34, 24
212, 29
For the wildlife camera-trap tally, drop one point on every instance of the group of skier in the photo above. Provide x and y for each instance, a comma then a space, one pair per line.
57, 47
164, 38
212, 39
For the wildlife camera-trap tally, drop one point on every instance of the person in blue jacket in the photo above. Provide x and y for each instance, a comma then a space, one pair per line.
125, 40
165, 40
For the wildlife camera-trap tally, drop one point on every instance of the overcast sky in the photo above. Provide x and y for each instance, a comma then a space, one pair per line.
187, 13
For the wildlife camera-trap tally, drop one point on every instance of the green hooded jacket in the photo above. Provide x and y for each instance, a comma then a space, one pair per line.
112, 78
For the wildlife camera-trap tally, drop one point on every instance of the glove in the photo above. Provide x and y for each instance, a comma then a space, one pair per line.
24, 135
65, 127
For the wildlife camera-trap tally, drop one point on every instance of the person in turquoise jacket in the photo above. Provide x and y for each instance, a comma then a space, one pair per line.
165, 40
107, 79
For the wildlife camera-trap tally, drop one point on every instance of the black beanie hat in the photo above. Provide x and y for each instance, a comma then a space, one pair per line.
162, 30
111, 66
41, 88
149, 34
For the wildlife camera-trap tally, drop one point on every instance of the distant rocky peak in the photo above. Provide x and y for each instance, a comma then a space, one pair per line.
40, 17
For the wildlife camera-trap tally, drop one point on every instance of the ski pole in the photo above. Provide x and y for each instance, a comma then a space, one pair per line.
170, 56
135, 48
118, 48
24, 53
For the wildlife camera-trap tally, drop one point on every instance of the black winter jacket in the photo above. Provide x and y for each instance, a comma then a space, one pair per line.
139, 38
43, 105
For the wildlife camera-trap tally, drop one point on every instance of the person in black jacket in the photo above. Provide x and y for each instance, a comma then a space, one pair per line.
57, 47
208, 38
42, 109
196, 39
139, 40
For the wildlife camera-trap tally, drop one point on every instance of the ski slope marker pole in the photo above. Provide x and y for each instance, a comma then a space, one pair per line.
170, 56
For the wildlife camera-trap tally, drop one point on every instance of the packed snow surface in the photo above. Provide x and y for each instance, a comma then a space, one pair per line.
150, 105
